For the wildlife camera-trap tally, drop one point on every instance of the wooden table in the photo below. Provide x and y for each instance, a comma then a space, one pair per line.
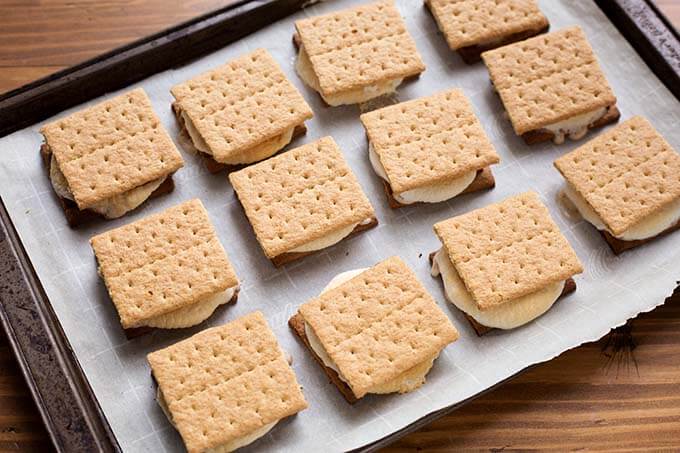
622, 392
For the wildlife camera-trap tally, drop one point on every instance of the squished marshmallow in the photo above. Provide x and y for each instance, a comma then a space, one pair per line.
434, 193
649, 227
509, 315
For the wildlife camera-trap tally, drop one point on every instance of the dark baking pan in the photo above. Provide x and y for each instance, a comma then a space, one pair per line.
68, 406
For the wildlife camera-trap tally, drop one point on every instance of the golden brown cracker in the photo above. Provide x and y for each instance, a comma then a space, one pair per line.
507, 250
162, 263
226, 382
111, 148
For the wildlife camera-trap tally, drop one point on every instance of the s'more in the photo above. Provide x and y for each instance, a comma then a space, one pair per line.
357, 54
242, 112
552, 86
166, 271
429, 150
302, 201
106, 160
626, 183
471, 27
374, 330
227, 386
505, 264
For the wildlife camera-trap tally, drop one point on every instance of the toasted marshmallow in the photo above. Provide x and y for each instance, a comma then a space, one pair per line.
304, 68
649, 227
434, 193
508, 315
113, 207
193, 314
329, 239
575, 127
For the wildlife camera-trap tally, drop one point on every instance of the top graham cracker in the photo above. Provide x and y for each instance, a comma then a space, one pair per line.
358, 47
242, 104
625, 174
548, 78
111, 148
428, 140
378, 325
507, 250
299, 196
162, 263
466, 23
226, 382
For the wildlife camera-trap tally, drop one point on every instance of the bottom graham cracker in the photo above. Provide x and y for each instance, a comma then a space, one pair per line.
569, 287
542, 135
473, 54
210, 163
297, 323
619, 245
75, 216
484, 180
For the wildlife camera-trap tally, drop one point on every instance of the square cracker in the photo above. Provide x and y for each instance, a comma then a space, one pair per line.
507, 250
429, 140
299, 196
358, 47
626, 174
226, 382
242, 104
473, 22
111, 148
547, 79
162, 263
378, 324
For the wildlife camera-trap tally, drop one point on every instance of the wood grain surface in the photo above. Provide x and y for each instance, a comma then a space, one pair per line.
621, 393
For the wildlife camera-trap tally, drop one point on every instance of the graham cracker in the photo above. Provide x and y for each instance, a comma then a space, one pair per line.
226, 382
507, 250
241, 104
378, 325
548, 78
358, 47
162, 263
428, 141
625, 175
75, 216
300, 196
111, 148
486, 24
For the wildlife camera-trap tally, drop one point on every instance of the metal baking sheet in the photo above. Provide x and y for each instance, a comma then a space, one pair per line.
612, 289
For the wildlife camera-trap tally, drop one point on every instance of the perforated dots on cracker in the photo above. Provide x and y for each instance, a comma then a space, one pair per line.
552, 86
301, 201
168, 270
506, 251
626, 182
227, 386
474, 26
356, 54
429, 149
109, 158
374, 330
242, 112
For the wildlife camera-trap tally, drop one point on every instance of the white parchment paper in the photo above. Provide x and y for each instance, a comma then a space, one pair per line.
612, 289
